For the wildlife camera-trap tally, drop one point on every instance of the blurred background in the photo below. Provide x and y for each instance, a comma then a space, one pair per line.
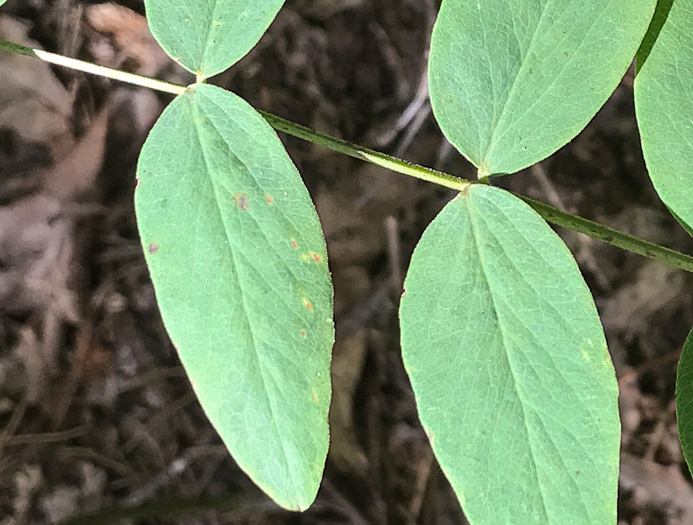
95, 410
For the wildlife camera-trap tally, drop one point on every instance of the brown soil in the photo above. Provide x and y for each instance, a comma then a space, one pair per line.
95, 410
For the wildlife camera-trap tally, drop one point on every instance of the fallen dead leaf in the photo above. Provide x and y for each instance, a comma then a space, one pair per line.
131, 35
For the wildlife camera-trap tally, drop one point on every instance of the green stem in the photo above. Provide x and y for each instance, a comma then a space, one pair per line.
610, 236
368, 155
549, 213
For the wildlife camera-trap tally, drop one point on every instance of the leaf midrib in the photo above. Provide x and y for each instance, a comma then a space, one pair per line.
504, 108
205, 45
199, 114
475, 236
495, 137
496, 312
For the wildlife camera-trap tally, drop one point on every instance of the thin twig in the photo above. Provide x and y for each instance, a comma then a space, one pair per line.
177, 508
47, 437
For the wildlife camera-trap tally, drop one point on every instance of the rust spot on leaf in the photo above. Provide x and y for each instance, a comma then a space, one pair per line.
241, 200
311, 256
153, 247
308, 305
269, 199
294, 244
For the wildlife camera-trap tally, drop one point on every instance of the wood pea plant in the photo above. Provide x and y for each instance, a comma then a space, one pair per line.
500, 335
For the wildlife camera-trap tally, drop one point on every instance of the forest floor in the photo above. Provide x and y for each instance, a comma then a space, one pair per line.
95, 410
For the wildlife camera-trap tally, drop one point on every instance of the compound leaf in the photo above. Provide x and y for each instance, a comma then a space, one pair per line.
510, 368
208, 36
684, 400
664, 105
238, 261
511, 82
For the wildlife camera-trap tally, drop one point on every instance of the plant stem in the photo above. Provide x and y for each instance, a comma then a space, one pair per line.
610, 236
368, 155
94, 69
549, 213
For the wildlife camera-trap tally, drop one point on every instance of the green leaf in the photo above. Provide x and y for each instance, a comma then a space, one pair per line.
684, 400
512, 82
208, 36
510, 368
664, 105
239, 266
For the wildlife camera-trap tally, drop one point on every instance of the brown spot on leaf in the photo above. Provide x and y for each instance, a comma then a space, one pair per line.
269, 199
153, 247
316, 257
241, 200
315, 398
308, 305
294, 244
304, 333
